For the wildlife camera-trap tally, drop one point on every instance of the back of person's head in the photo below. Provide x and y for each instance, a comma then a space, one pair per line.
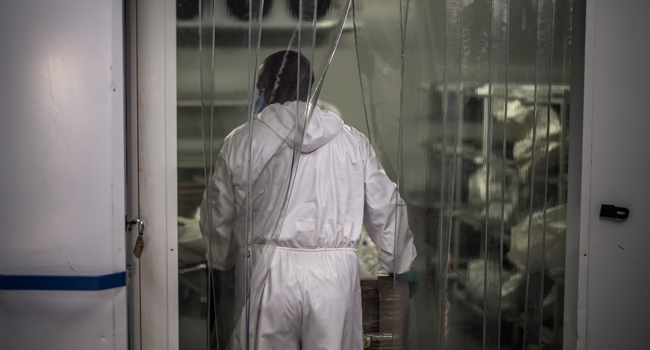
278, 77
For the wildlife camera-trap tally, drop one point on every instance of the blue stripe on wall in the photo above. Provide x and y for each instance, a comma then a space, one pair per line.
11, 282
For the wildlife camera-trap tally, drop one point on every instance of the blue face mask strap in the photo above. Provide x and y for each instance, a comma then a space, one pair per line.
260, 103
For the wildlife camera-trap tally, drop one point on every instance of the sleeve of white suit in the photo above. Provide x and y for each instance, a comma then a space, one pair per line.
218, 216
385, 216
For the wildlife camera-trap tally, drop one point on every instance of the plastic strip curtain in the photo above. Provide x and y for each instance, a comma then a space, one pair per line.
467, 107
241, 155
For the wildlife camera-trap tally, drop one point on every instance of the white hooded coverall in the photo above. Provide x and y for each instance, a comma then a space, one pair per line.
310, 298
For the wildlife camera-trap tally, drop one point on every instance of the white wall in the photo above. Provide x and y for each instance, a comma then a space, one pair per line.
614, 283
62, 170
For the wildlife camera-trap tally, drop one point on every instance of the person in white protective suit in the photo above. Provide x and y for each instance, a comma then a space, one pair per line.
309, 295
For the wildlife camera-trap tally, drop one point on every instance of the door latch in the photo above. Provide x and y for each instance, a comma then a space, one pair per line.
139, 243
614, 212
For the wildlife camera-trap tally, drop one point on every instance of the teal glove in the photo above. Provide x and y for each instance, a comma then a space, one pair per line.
412, 277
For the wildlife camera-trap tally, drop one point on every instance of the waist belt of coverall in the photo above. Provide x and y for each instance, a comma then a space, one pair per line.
312, 250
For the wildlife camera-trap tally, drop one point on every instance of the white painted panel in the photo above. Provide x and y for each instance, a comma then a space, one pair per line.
61, 320
617, 119
62, 170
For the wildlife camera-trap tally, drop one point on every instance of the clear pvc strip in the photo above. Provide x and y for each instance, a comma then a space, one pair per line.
400, 293
468, 230
381, 37
495, 192
421, 157
206, 20
253, 281
378, 32
450, 149
556, 213
539, 176
519, 115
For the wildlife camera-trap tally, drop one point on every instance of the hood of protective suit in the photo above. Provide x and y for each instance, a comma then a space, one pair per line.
322, 127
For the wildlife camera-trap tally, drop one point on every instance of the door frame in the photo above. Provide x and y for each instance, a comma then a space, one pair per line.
150, 59
151, 195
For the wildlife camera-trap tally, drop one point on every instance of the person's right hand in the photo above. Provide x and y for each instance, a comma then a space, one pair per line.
412, 277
